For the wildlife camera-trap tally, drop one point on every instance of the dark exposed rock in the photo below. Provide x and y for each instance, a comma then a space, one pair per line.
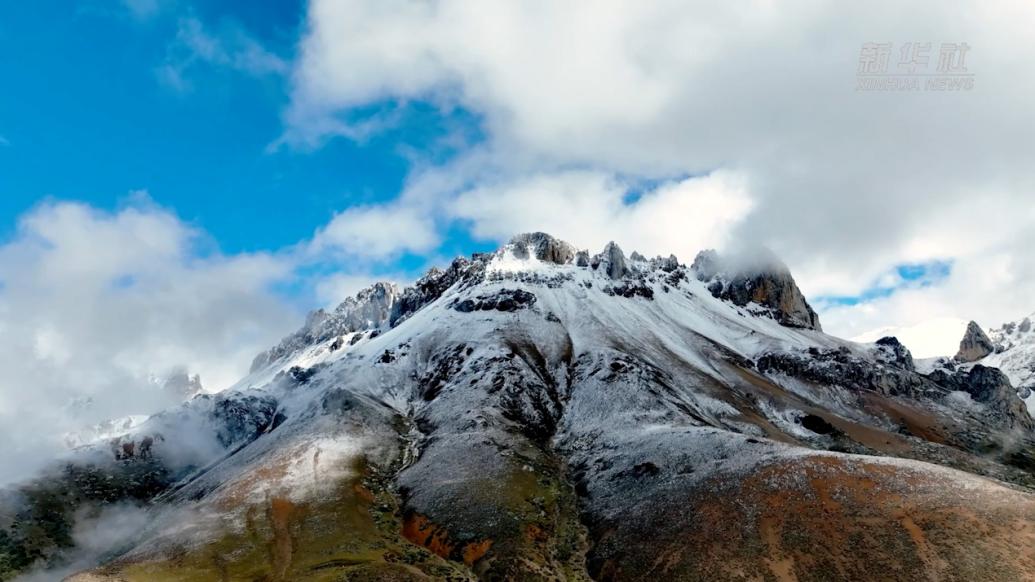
892, 351
974, 345
505, 300
630, 290
667, 264
241, 418
369, 309
990, 387
582, 258
988, 384
338, 343
301, 375
443, 367
841, 368
817, 425
763, 280
544, 247
383, 305
611, 260
432, 285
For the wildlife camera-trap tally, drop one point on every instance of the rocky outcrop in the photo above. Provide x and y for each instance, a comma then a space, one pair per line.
990, 387
974, 345
762, 280
432, 285
368, 309
506, 300
889, 349
839, 367
611, 261
543, 247
383, 305
667, 264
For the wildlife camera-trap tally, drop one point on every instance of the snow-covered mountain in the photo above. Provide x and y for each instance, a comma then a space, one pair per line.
1014, 354
104, 431
543, 413
1009, 348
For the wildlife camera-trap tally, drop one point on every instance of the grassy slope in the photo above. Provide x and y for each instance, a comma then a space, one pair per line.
354, 533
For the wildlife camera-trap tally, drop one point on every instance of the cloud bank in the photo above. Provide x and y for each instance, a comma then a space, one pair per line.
578, 98
94, 305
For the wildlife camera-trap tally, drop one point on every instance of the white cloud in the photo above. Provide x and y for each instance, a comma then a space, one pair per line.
844, 185
331, 290
589, 208
231, 47
92, 303
376, 232
928, 339
992, 286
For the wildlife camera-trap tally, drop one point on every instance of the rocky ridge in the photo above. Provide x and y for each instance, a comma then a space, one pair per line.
541, 413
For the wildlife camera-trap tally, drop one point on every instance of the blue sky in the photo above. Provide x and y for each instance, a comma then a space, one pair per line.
904, 276
189, 101
88, 116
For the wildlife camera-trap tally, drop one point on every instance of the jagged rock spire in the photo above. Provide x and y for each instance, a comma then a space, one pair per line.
974, 345
611, 260
762, 279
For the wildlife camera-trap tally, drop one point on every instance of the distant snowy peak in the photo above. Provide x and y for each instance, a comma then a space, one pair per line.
1014, 333
370, 309
1014, 354
761, 284
103, 431
1009, 348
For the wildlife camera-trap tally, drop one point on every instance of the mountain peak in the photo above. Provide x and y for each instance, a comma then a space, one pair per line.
543, 247
758, 277
974, 345
611, 261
